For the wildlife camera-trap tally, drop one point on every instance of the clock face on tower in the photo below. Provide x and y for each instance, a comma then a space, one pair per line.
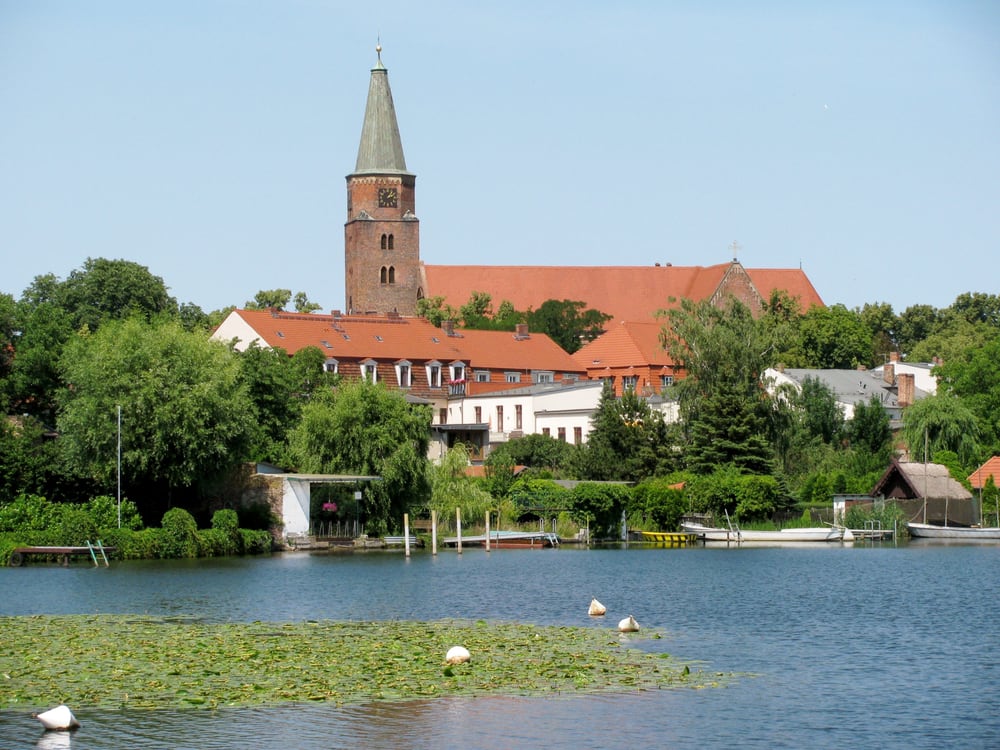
387, 198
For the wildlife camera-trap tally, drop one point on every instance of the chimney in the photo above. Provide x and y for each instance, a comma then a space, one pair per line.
521, 331
889, 373
448, 326
894, 356
905, 390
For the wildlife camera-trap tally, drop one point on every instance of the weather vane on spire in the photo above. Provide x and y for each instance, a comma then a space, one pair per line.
378, 48
735, 247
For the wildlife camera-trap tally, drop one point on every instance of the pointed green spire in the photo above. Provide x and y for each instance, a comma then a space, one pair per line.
381, 150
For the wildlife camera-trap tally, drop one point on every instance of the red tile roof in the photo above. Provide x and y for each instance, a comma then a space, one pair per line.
624, 292
393, 338
625, 343
989, 469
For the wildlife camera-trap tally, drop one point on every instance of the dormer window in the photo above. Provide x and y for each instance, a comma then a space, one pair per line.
331, 365
403, 374
434, 374
369, 370
457, 372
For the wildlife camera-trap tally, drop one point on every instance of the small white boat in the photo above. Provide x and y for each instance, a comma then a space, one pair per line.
736, 535
966, 533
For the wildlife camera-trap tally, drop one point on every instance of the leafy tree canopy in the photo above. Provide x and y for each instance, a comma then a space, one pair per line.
183, 404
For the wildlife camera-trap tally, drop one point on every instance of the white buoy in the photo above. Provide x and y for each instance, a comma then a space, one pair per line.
58, 718
596, 608
628, 625
848, 535
457, 655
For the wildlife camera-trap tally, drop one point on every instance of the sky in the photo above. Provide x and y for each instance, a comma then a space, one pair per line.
209, 140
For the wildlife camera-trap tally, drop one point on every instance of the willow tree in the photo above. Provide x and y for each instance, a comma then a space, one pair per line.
363, 428
941, 423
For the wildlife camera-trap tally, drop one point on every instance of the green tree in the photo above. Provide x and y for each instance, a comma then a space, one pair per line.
34, 380
626, 441
973, 376
541, 452
452, 488
723, 401
183, 404
942, 423
869, 429
567, 322
834, 338
304, 305
365, 429
882, 324
435, 310
273, 390
600, 505
916, 323
267, 299
111, 290
822, 415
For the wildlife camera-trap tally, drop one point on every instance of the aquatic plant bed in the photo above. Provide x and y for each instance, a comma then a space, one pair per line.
129, 662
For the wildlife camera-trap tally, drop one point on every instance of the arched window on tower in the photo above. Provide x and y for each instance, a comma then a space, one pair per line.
392, 274
385, 242
390, 242
384, 275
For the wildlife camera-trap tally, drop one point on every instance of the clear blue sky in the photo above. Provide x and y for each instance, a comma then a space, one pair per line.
209, 139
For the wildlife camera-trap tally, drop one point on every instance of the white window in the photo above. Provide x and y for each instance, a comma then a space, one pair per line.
543, 377
434, 374
512, 377
666, 381
457, 371
369, 370
331, 365
482, 376
403, 376
629, 382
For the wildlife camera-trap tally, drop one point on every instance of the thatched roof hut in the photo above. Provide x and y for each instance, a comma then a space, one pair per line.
913, 484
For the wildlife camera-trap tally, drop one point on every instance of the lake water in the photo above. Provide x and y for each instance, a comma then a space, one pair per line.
889, 646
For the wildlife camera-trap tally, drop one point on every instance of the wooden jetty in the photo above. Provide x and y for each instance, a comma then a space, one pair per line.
20, 554
508, 539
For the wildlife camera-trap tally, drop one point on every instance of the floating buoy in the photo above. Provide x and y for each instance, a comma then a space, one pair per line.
848, 535
58, 718
457, 655
596, 608
628, 625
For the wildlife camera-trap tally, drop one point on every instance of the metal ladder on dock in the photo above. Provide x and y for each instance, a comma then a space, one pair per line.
734, 529
94, 549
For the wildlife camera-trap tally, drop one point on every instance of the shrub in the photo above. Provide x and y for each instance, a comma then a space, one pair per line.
103, 509
178, 534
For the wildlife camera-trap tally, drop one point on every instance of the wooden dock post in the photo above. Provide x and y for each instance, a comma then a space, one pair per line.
434, 532
458, 528
487, 531
406, 533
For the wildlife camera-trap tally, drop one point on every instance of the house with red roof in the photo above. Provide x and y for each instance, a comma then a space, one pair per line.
436, 366
630, 356
980, 476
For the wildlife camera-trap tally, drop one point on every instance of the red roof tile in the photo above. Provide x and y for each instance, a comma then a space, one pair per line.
394, 338
989, 469
624, 344
624, 292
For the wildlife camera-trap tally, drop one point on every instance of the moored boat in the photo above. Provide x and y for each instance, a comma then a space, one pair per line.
968, 533
736, 535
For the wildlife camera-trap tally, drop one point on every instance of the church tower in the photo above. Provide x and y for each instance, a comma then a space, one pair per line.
382, 234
